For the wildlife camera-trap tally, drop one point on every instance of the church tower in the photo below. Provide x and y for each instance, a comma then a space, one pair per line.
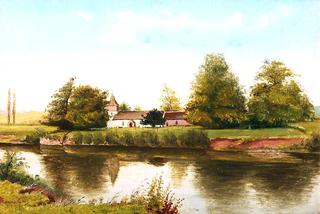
112, 107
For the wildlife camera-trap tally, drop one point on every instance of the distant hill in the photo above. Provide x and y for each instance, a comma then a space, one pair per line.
317, 110
29, 117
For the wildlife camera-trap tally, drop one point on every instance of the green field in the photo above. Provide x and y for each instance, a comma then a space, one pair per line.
14, 133
24, 118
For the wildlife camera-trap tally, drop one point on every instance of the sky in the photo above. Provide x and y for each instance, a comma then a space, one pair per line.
132, 48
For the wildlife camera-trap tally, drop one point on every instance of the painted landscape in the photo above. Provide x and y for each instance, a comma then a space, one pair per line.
160, 108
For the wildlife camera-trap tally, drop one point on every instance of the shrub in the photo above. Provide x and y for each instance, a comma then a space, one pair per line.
87, 138
112, 137
97, 138
194, 138
313, 142
127, 138
77, 138
169, 138
146, 138
34, 137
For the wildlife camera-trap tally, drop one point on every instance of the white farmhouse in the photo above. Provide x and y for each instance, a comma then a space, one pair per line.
123, 118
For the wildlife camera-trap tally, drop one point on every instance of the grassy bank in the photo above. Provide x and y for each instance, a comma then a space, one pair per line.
18, 132
11, 201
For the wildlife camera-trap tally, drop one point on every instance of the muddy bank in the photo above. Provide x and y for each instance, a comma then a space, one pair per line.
222, 144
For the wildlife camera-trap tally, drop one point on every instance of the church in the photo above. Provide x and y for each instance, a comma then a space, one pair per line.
126, 119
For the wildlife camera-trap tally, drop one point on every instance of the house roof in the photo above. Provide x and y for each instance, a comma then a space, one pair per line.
174, 115
130, 115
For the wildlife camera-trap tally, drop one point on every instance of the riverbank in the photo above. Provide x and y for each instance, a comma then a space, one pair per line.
14, 200
225, 144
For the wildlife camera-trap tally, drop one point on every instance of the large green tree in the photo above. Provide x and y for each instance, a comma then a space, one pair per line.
169, 100
277, 99
87, 107
59, 105
217, 100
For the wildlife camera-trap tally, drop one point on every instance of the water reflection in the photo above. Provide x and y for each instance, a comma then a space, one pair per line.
208, 183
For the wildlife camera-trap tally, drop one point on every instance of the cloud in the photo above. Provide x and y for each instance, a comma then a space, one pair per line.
264, 20
125, 26
82, 14
165, 12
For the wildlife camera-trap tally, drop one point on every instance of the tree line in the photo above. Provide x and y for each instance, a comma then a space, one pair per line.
217, 100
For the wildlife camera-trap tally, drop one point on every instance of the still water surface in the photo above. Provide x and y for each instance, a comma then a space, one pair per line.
209, 182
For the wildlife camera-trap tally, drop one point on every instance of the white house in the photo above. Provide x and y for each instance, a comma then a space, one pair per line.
122, 119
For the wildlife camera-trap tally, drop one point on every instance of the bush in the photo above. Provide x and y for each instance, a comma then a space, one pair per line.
194, 138
146, 138
127, 138
112, 137
87, 138
34, 137
169, 138
77, 138
313, 142
97, 138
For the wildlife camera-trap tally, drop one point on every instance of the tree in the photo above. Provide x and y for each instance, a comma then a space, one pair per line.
277, 99
14, 108
9, 107
217, 100
153, 118
169, 100
58, 107
137, 108
124, 107
87, 107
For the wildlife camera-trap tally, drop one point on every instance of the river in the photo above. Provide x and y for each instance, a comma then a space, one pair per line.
208, 182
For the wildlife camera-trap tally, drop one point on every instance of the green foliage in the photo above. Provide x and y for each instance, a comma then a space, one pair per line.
169, 100
217, 100
127, 138
313, 142
34, 137
58, 107
194, 138
153, 118
124, 107
146, 138
87, 138
190, 138
77, 138
156, 195
277, 99
87, 107
36, 203
12, 168
112, 137
98, 138
169, 138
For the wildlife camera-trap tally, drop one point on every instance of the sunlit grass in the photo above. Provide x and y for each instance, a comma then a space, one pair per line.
13, 202
25, 118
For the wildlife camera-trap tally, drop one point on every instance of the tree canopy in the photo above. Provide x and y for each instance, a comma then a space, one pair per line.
217, 100
87, 107
169, 100
58, 107
153, 118
277, 99
124, 107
